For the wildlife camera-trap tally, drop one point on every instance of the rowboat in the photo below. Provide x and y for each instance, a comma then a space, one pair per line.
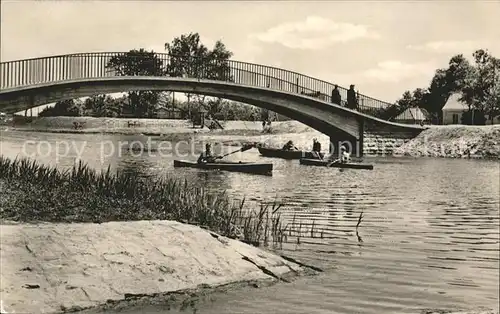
247, 167
285, 154
324, 163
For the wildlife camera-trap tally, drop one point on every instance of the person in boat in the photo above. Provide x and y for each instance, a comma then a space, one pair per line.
207, 156
316, 148
345, 157
289, 146
336, 98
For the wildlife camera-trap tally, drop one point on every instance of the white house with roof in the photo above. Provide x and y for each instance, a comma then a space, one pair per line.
453, 109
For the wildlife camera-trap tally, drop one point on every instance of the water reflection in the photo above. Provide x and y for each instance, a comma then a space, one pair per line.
429, 236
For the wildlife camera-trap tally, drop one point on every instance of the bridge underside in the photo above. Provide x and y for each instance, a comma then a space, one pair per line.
339, 123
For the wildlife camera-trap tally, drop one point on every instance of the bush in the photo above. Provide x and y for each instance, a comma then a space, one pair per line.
475, 117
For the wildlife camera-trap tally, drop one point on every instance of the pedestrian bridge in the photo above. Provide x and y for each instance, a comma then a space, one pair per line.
29, 83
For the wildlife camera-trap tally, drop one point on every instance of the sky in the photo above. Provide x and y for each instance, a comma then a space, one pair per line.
383, 47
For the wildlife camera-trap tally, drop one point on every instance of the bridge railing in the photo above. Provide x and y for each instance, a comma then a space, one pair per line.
61, 68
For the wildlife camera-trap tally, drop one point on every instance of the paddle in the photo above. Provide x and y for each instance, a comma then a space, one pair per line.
333, 162
336, 161
244, 148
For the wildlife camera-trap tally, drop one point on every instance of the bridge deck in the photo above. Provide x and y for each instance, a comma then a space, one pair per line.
63, 68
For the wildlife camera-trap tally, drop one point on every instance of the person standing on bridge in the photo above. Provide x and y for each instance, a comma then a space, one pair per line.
351, 98
336, 98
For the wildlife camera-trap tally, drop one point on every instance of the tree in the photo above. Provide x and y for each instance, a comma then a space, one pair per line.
230, 110
493, 98
102, 106
419, 97
477, 83
481, 91
456, 75
472, 117
189, 57
139, 63
96, 105
406, 101
136, 63
69, 108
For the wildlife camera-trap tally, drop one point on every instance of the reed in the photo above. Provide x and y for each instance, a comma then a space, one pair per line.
81, 194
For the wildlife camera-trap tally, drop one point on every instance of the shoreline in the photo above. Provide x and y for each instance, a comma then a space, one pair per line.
183, 299
147, 127
448, 141
455, 141
60, 268
71, 255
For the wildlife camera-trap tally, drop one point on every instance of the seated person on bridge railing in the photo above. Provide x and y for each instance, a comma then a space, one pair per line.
207, 156
289, 146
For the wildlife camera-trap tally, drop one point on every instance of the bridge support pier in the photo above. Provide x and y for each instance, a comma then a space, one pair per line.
361, 139
354, 145
32, 104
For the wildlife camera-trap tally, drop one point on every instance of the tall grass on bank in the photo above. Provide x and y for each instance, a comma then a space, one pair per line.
35, 192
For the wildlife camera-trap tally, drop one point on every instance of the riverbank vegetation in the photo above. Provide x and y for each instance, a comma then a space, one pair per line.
32, 192
106, 106
478, 84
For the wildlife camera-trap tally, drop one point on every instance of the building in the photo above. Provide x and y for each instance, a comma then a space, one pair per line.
453, 110
168, 113
413, 116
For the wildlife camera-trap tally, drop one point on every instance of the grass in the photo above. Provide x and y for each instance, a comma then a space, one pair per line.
34, 192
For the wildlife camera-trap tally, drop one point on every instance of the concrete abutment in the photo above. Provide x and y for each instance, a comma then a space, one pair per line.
383, 140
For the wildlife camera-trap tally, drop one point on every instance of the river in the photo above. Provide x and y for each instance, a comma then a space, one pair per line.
429, 237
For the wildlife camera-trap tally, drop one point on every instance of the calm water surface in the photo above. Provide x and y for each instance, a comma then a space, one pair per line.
429, 237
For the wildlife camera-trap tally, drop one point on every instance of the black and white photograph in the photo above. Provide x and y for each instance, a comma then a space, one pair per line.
250, 157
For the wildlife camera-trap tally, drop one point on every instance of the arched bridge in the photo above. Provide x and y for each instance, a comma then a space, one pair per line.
28, 83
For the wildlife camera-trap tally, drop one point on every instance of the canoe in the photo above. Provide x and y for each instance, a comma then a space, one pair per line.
247, 167
285, 154
324, 163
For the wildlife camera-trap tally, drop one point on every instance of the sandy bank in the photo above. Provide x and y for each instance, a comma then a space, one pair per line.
149, 126
58, 267
455, 141
107, 125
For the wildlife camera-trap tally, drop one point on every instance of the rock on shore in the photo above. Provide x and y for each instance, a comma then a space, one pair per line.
455, 141
54, 267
